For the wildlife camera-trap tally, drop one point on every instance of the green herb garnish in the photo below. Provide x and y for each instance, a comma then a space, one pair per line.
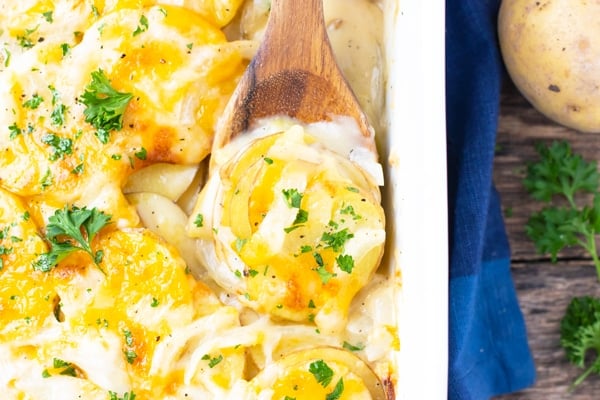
71, 229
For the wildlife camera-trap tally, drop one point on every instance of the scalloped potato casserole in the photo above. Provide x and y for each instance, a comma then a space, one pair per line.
128, 268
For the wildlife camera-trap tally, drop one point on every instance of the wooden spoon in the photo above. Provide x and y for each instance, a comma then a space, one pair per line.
293, 73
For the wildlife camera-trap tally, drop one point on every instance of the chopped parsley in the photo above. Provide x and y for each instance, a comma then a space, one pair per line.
65, 367
337, 391
321, 371
292, 197
78, 170
324, 275
212, 361
349, 210
95, 11
60, 146
105, 106
130, 355
48, 16
58, 114
305, 248
71, 229
142, 154
14, 131
65, 48
352, 347
4, 251
301, 217
268, 160
60, 367
345, 262
239, 244
34, 102
7, 56
126, 396
142, 27
154, 302
199, 220
336, 240
25, 40
47, 180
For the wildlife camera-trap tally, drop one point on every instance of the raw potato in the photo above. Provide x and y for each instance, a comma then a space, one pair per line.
552, 53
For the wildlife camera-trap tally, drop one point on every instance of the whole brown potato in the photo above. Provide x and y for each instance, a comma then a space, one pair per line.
551, 49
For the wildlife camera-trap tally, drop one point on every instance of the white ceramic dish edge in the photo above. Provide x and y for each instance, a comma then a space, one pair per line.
415, 195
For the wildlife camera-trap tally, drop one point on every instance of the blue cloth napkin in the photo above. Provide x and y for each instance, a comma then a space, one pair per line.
488, 349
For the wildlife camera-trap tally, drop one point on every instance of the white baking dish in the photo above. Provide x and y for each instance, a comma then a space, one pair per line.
414, 158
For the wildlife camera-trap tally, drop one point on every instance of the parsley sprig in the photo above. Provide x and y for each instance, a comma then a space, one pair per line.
569, 188
580, 335
126, 396
105, 106
71, 229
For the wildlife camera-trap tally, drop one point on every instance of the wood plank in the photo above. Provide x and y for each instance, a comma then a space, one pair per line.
519, 128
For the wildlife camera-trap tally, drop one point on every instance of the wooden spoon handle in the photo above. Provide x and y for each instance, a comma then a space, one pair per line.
294, 73
296, 39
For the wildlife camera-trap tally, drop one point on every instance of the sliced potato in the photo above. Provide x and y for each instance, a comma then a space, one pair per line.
188, 199
303, 374
168, 180
162, 216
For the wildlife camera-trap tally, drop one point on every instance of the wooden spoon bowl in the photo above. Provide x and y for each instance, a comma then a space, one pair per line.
294, 73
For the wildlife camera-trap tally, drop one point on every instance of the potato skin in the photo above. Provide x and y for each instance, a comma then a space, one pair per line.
551, 49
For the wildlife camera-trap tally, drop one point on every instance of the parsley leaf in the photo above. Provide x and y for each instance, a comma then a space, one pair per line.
321, 371
142, 27
14, 131
337, 391
345, 262
105, 106
34, 102
66, 368
48, 16
212, 361
199, 220
70, 230
580, 335
126, 396
560, 172
561, 178
60, 146
58, 114
292, 197
336, 240
25, 40
352, 347
142, 154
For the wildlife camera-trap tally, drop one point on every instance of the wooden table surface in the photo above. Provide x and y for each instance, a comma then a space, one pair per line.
544, 289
